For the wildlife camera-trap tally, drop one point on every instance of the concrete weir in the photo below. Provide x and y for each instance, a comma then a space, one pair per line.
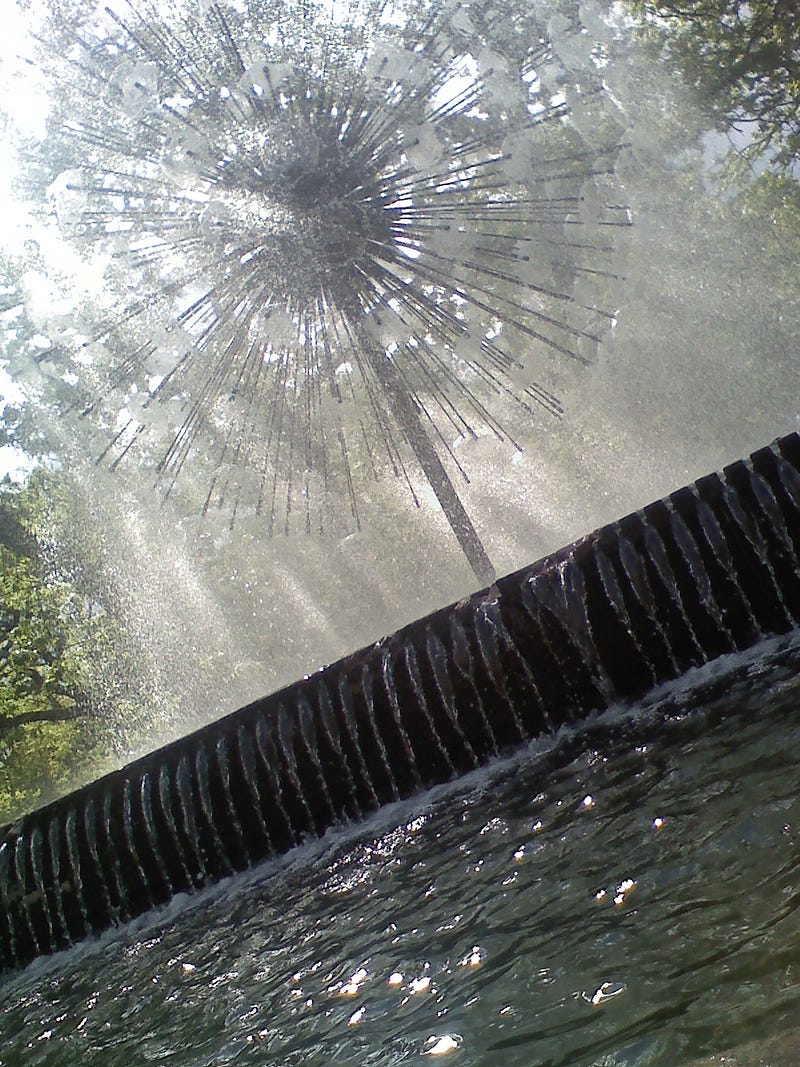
711, 569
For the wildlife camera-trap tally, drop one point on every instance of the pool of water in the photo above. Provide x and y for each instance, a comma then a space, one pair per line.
627, 896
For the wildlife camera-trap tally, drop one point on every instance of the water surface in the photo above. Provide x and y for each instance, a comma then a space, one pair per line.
628, 897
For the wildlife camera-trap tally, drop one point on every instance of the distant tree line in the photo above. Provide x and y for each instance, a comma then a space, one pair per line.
67, 709
48, 724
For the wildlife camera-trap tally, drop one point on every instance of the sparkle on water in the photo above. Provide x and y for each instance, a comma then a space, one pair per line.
501, 921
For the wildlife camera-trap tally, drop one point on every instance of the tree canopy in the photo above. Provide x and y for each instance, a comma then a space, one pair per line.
56, 644
744, 57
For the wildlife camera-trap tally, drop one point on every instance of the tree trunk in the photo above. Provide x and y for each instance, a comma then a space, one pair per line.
11, 722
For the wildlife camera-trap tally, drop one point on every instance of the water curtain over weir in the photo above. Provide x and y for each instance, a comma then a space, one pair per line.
334, 240
712, 569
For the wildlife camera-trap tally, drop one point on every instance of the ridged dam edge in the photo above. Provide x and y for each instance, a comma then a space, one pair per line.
711, 569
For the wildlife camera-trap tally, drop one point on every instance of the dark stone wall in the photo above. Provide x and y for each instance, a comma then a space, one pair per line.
711, 569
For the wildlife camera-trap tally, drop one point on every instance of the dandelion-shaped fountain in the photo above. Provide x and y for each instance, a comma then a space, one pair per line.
340, 238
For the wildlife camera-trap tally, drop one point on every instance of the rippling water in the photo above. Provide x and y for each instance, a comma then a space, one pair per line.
628, 897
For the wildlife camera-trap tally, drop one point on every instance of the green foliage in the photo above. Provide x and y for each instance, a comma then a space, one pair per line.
51, 638
30, 423
744, 59
38, 674
775, 197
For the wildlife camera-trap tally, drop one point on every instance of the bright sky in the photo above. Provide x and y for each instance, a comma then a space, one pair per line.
26, 108
12, 461
24, 111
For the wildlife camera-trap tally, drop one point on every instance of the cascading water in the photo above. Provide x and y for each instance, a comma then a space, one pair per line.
709, 571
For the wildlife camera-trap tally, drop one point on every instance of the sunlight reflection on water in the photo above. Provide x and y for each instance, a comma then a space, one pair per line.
626, 900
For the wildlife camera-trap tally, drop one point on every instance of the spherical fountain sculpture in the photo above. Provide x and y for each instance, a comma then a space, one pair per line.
331, 240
